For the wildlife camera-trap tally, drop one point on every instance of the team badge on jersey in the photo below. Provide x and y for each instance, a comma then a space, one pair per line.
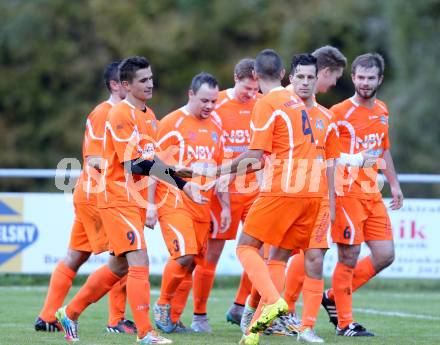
319, 125
15, 234
384, 120
192, 136
214, 136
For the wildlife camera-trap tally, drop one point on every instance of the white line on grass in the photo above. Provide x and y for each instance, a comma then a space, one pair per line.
156, 292
397, 313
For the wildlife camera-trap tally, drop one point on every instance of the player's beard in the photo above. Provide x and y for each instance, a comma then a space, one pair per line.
366, 94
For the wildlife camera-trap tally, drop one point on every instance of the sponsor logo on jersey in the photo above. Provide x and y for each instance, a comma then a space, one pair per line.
200, 152
369, 141
237, 136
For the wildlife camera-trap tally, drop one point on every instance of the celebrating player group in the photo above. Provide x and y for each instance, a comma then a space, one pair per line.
295, 174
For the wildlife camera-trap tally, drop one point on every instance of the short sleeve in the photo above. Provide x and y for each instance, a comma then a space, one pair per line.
168, 147
262, 131
124, 136
95, 128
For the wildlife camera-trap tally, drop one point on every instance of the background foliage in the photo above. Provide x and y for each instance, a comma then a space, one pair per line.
52, 53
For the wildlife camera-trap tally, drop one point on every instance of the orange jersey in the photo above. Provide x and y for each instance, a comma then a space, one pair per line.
360, 128
187, 141
235, 118
326, 138
86, 187
130, 134
281, 127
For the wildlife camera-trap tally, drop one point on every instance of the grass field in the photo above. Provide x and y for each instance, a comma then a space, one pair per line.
398, 317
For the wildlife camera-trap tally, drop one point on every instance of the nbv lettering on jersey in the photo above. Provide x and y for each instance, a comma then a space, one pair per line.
238, 136
200, 152
369, 141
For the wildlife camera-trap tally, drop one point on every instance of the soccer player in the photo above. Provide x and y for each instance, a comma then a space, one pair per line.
287, 207
192, 137
128, 154
234, 107
330, 63
361, 215
88, 235
303, 78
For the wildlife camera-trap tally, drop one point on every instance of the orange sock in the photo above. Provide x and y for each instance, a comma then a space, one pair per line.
180, 298
258, 273
138, 294
172, 276
294, 280
342, 283
97, 285
277, 270
363, 272
116, 302
312, 297
331, 294
59, 286
244, 289
204, 276
254, 298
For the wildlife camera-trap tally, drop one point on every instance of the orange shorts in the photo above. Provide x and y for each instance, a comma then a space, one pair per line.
321, 230
125, 228
240, 206
88, 234
183, 235
358, 220
283, 222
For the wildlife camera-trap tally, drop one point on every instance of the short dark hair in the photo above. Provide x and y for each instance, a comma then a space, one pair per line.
245, 68
330, 57
111, 72
303, 60
203, 78
268, 64
369, 60
129, 67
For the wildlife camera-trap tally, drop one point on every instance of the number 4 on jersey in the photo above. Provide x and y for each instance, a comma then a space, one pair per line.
307, 129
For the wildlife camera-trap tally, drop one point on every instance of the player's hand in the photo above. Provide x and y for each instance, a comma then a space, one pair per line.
225, 219
151, 219
397, 195
193, 191
184, 172
369, 157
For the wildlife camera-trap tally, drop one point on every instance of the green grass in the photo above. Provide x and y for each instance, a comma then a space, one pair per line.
19, 306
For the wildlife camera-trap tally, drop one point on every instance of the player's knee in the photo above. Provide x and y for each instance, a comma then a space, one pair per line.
348, 255
313, 264
118, 265
75, 258
386, 260
186, 261
137, 258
